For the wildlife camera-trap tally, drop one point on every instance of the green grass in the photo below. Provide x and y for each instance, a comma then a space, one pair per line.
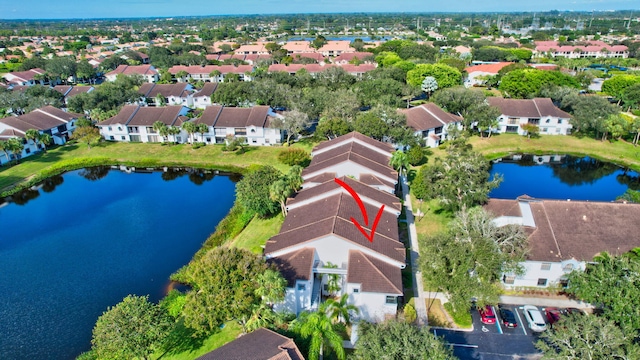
187, 347
256, 234
147, 155
462, 319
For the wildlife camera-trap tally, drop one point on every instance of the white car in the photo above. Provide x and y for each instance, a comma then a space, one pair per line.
534, 318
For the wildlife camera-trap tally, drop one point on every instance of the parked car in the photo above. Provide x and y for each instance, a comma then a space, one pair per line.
508, 317
553, 314
534, 318
487, 315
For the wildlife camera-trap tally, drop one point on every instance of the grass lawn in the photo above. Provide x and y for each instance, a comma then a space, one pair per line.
462, 319
189, 348
256, 234
436, 314
211, 157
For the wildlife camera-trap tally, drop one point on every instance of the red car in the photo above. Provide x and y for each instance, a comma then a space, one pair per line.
553, 315
486, 315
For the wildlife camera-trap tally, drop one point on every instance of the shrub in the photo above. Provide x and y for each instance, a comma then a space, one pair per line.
198, 145
173, 303
410, 314
415, 155
294, 156
461, 318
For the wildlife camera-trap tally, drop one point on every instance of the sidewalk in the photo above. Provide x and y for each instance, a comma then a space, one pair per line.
544, 302
418, 290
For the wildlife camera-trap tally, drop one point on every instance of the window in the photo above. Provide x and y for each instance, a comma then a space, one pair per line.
542, 282
112, 137
208, 139
302, 287
178, 139
558, 130
545, 266
119, 128
240, 131
559, 121
267, 141
27, 150
512, 129
512, 121
567, 268
534, 121
391, 300
135, 138
150, 130
254, 141
133, 129
548, 121
509, 279
544, 129
356, 290
438, 130
109, 128
253, 130
123, 137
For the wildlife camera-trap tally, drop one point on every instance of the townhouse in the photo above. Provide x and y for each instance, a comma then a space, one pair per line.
49, 120
251, 124
431, 123
565, 235
319, 243
202, 97
134, 123
26, 78
589, 49
538, 111
477, 75
314, 69
166, 94
148, 72
212, 73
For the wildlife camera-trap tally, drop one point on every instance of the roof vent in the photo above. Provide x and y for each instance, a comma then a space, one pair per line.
584, 217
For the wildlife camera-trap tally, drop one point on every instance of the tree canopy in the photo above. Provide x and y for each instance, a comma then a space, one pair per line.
526, 83
253, 191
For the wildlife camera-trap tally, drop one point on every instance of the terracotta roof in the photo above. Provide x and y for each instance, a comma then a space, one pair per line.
374, 275
350, 56
297, 265
532, 108
487, 68
262, 344
315, 56
354, 135
428, 116
62, 89
133, 70
206, 70
151, 90
364, 191
24, 75
592, 46
316, 68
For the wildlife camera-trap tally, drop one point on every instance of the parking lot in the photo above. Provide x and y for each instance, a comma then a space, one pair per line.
494, 341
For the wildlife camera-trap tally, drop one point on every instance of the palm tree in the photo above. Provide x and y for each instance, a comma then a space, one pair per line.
202, 128
340, 310
15, 147
160, 128
399, 161
46, 140
5, 147
32, 134
279, 191
318, 326
294, 177
271, 287
190, 128
173, 130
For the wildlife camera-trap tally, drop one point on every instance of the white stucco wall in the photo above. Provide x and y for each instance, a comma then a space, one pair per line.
536, 270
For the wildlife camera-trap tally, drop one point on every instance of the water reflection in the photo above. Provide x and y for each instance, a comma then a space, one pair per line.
95, 173
50, 184
579, 171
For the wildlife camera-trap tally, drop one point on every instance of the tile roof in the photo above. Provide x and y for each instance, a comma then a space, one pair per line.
207, 90
297, 265
262, 344
350, 56
151, 90
207, 69
532, 108
373, 275
44, 118
356, 148
135, 115
487, 68
133, 70
123, 116
11, 133
428, 116
500, 207
350, 157
352, 136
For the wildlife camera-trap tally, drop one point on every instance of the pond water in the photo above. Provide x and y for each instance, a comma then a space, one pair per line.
86, 239
561, 177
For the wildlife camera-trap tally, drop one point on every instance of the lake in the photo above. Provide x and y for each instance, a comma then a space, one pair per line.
86, 239
561, 177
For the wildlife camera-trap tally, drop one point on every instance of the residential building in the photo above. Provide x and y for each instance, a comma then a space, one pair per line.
347, 58
252, 49
298, 47
135, 123
69, 91
336, 47
25, 78
566, 235
319, 243
262, 344
477, 75
590, 49
171, 94
202, 97
431, 123
148, 72
47, 120
314, 69
212, 73
252, 124
538, 111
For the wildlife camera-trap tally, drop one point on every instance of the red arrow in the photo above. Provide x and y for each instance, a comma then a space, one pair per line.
363, 210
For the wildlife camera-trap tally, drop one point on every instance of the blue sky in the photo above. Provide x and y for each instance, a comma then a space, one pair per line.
64, 9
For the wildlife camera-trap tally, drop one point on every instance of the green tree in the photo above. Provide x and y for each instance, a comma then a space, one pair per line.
253, 191
340, 311
83, 121
416, 155
293, 122
460, 179
224, 282
616, 85
202, 128
318, 326
527, 83
271, 287
190, 128
160, 128
468, 103
134, 328
616, 126
589, 113
468, 260
33, 135
61, 68
88, 135
279, 191
531, 130
15, 147
612, 282
445, 75
5, 148
46, 140
85, 71
395, 339
331, 128
631, 96
578, 337
399, 161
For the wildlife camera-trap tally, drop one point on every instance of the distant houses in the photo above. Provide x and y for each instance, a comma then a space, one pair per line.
167, 94
539, 111
147, 72
565, 235
588, 49
26, 78
319, 250
212, 73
